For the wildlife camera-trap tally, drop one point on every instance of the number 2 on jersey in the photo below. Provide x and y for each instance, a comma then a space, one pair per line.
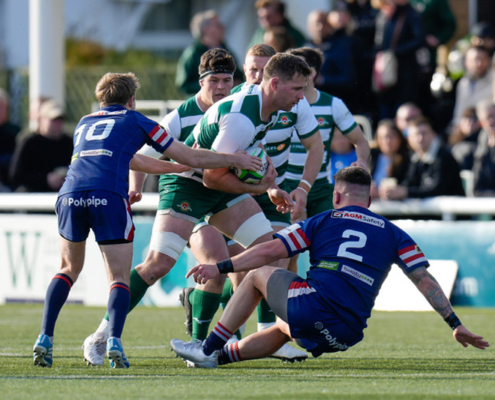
352, 244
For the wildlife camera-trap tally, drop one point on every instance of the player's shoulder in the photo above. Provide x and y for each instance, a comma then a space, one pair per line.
238, 88
324, 99
189, 107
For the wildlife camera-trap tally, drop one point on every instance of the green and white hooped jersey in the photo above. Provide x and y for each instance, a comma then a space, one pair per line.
330, 112
299, 121
178, 123
231, 124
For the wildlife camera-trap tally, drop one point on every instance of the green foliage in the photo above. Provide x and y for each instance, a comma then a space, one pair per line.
81, 53
403, 356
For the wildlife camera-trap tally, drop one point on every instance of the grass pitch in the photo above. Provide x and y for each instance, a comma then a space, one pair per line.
403, 356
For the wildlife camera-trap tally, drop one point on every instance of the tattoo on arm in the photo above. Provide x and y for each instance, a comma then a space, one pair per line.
432, 291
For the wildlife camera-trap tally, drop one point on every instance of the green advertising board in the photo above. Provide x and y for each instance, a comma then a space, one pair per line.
470, 243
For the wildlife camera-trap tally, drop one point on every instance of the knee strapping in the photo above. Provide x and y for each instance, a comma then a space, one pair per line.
253, 228
168, 243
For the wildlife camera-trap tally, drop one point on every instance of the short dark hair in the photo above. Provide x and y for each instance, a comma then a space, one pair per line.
353, 175
480, 49
421, 120
285, 67
218, 60
314, 57
279, 5
282, 40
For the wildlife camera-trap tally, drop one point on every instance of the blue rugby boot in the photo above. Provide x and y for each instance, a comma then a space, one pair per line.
115, 353
43, 352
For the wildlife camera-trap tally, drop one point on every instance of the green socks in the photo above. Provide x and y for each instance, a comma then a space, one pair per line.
138, 289
227, 292
204, 306
265, 314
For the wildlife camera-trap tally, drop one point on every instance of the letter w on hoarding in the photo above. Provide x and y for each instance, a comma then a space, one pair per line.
19, 256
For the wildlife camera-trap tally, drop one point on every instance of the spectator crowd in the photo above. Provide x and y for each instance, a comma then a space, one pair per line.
422, 135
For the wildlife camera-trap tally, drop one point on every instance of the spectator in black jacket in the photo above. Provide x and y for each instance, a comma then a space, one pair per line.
42, 158
363, 33
329, 34
433, 170
397, 16
484, 157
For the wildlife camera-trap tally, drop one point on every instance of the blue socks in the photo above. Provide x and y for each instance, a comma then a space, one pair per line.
56, 295
118, 306
217, 339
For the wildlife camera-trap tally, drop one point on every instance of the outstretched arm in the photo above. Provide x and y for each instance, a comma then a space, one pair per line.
150, 165
200, 158
255, 257
432, 291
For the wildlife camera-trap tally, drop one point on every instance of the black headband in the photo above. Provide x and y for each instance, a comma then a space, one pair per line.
215, 70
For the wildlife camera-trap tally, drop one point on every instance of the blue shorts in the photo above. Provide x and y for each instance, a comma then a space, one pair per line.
106, 213
312, 322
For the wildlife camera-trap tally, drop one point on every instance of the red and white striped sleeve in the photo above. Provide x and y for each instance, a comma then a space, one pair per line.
412, 256
294, 239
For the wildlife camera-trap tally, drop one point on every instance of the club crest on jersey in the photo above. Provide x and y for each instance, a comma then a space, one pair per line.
356, 216
185, 206
321, 121
285, 120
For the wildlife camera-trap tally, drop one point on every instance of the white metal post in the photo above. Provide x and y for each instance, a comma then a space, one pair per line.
46, 50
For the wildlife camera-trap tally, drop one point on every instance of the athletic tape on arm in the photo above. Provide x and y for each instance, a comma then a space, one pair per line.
167, 243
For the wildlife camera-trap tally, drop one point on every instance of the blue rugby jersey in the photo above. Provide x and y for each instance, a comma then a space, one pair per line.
104, 144
351, 252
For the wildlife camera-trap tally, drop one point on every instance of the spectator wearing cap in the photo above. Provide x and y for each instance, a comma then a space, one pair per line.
476, 85
41, 159
208, 33
8, 134
271, 13
482, 34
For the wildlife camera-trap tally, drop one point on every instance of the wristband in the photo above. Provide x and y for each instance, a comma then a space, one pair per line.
225, 266
453, 321
306, 182
304, 190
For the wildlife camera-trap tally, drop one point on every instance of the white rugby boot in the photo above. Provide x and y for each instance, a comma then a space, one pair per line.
94, 348
289, 354
193, 352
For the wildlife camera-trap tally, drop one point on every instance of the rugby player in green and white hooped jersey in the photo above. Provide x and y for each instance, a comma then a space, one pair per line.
330, 112
298, 121
217, 68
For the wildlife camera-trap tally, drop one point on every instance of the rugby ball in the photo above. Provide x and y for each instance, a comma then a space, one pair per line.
253, 176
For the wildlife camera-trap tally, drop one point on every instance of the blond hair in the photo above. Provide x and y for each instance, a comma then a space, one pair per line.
261, 50
116, 88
